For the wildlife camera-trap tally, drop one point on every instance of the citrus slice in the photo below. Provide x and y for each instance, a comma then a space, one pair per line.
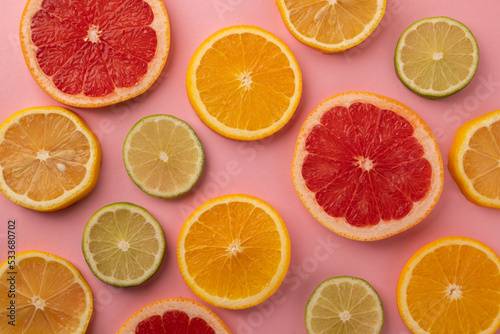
174, 315
474, 160
244, 83
451, 285
94, 53
123, 244
331, 26
344, 304
366, 166
436, 57
163, 156
43, 293
49, 158
234, 251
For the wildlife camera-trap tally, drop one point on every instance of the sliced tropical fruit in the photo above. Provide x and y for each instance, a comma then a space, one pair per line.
49, 158
43, 293
94, 53
366, 166
331, 26
123, 244
474, 160
436, 57
451, 285
244, 83
163, 156
234, 251
344, 304
174, 315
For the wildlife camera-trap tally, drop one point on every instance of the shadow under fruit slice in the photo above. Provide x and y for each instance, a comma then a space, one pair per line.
366, 166
93, 54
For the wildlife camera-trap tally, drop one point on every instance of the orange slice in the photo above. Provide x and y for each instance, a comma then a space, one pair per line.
331, 25
244, 83
49, 158
366, 166
234, 251
48, 293
93, 54
474, 160
451, 285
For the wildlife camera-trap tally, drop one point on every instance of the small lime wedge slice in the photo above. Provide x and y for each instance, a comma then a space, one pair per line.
163, 156
123, 244
344, 304
436, 57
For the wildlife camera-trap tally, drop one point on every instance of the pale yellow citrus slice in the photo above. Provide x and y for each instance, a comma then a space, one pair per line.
451, 285
234, 251
49, 295
474, 160
244, 83
49, 158
331, 25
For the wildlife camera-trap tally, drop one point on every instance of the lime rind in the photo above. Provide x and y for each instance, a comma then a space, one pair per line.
196, 142
89, 257
431, 93
316, 296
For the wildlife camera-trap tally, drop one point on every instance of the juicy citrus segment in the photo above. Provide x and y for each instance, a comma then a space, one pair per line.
244, 83
436, 57
234, 251
95, 54
50, 295
123, 244
331, 26
163, 156
366, 166
344, 304
474, 160
451, 285
49, 158
174, 315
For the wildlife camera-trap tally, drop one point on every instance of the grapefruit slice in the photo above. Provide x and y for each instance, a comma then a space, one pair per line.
366, 166
174, 315
94, 53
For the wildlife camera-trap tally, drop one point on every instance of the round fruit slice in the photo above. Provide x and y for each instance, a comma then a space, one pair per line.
451, 285
344, 304
163, 156
234, 251
174, 315
366, 166
50, 295
244, 83
474, 160
436, 57
331, 26
123, 244
95, 53
49, 158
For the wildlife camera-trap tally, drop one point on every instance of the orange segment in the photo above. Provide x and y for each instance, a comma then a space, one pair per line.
49, 158
234, 251
451, 285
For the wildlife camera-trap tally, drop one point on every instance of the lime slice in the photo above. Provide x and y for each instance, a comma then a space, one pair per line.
436, 57
163, 156
344, 304
123, 244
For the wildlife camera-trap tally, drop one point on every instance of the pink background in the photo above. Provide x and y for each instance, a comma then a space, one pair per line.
260, 168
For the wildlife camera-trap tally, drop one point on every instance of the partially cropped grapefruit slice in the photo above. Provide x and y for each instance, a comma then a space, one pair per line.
174, 315
95, 53
366, 166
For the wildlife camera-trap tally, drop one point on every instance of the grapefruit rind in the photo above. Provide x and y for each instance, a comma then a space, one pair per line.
160, 24
190, 307
383, 229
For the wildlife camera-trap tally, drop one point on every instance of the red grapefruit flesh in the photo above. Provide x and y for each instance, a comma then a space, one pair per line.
366, 166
